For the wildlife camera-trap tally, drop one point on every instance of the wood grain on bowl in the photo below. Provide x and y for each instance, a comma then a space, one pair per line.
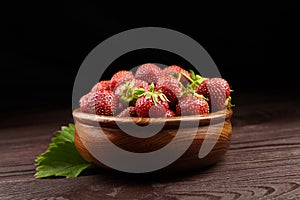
214, 127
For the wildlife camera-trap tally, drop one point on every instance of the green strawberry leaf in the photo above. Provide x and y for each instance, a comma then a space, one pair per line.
65, 135
62, 157
151, 87
192, 73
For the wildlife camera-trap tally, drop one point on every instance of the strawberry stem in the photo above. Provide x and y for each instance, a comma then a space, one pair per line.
154, 94
179, 77
186, 76
151, 87
195, 79
229, 104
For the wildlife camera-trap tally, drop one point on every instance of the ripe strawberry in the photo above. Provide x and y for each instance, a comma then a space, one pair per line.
148, 72
169, 113
158, 110
100, 102
102, 85
192, 105
120, 77
145, 107
120, 105
217, 91
141, 84
151, 104
128, 112
85, 106
170, 87
176, 71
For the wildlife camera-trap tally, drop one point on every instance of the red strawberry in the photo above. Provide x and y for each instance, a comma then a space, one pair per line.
100, 102
120, 105
102, 85
170, 87
128, 112
145, 107
158, 110
176, 71
151, 104
120, 77
169, 113
192, 105
85, 106
217, 91
148, 72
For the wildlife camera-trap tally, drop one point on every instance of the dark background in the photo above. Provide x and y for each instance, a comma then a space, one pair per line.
255, 47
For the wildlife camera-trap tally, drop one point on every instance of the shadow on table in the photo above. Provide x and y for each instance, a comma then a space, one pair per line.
146, 178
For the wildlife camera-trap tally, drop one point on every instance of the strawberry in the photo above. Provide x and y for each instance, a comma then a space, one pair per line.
128, 112
145, 107
85, 106
159, 110
140, 84
99, 102
102, 85
217, 91
151, 104
120, 77
192, 105
170, 87
120, 105
176, 71
169, 113
148, 72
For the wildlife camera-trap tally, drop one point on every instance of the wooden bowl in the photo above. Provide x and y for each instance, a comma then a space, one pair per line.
212, 131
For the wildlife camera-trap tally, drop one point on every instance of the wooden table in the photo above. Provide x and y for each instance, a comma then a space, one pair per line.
262, 163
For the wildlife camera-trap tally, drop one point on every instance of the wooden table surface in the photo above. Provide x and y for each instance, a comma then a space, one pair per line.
263, 161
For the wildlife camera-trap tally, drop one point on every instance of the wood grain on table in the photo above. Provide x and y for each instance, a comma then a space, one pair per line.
263, 161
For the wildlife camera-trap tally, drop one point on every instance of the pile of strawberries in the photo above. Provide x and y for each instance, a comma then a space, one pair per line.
156, 92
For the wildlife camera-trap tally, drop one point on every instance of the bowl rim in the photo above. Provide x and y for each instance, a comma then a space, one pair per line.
92, 118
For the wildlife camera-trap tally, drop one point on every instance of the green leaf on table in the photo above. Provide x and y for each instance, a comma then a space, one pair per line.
62, 157
65, 135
